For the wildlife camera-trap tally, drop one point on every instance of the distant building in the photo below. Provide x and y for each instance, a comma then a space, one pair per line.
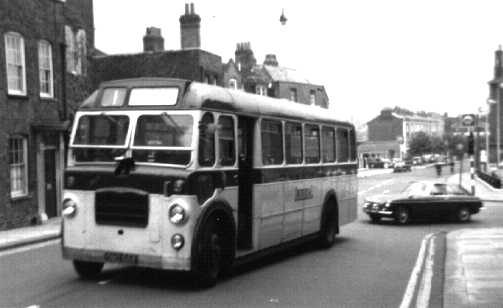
44, 71
389, 133
496, 109
272, 80
190, 62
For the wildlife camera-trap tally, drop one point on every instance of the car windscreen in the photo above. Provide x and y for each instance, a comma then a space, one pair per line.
102, 130
415, 189
163, 138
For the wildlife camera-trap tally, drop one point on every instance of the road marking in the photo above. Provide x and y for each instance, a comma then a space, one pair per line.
424, 293
414, 276
29, 247
383, 183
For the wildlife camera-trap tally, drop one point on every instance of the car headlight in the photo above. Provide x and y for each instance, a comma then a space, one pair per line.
387, 204
69, 208
177, 214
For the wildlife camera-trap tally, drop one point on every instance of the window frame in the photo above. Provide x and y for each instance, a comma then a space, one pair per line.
213, 138
18, 36
14, 194
50, 69
219, 140
264, 163
323, 144
287, 149
305, 130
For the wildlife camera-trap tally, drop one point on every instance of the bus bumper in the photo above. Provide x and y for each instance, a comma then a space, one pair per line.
160, 262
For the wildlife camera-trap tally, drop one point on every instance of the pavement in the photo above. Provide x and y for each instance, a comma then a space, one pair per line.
473, 274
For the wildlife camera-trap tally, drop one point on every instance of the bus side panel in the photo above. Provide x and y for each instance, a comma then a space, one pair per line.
74, 229
347, 198
312, 206
268, 213
292, 224
230, 194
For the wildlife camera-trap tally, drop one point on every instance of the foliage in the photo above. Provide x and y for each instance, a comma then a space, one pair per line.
419, 144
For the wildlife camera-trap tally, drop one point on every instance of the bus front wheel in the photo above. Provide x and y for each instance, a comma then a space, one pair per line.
212, 252
87, 270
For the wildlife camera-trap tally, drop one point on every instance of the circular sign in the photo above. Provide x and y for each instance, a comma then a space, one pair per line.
468, 120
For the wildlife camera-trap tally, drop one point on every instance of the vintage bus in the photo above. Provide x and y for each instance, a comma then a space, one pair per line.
179, 175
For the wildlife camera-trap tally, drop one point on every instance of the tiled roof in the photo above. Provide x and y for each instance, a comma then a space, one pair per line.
279, 73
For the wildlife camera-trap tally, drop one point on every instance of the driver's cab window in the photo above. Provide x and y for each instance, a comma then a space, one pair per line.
207, 140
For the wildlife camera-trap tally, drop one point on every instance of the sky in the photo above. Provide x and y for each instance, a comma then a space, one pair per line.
423, 55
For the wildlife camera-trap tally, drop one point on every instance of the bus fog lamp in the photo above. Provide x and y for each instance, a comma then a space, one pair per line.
177, 241
177, 214
69, 208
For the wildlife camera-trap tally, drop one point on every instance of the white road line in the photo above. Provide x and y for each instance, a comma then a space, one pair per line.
375, 186
414, 276
28, 247
424, 293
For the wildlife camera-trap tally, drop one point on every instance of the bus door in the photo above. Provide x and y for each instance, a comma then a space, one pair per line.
245, 182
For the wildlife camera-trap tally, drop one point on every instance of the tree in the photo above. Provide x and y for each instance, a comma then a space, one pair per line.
419, 144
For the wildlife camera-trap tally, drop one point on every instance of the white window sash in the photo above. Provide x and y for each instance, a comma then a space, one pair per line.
45, 69
15, 60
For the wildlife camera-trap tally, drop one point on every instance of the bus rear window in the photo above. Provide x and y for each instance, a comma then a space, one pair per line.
102, 130
153, 97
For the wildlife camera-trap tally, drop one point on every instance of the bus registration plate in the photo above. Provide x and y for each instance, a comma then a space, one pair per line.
117, 257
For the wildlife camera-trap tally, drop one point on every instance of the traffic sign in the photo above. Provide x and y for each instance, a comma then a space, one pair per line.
468, 120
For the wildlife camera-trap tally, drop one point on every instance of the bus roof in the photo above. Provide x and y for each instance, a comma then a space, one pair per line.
195, 95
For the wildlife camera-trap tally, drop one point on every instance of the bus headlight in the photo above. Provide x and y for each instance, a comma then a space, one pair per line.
69, 208
177, 214
177, 241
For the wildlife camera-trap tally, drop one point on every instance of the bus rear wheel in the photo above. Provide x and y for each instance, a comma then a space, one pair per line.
329, 227
87, 270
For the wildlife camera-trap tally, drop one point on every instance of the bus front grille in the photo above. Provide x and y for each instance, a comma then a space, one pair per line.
121, 207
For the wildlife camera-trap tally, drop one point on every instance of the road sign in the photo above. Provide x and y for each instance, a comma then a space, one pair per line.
468, 120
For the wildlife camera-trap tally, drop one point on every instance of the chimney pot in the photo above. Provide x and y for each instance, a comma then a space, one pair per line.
186, 9
192, 11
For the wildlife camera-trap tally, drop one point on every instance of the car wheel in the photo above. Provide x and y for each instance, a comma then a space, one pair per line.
87, 270
402, 215
375, 219
463, 214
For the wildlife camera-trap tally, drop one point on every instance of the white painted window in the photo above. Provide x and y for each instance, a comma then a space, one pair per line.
18, 166
293, 95
76, 51
45, 69
312, 97
233, 83
261, 90
16, 71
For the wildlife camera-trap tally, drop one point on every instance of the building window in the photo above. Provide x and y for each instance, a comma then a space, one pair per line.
14, 55
45, 69
312, 97
293, 95
18, 167
261, 90
233, 84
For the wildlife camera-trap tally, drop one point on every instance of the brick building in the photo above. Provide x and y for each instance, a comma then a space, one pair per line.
273, 80
190, 62
389, 133
43, 75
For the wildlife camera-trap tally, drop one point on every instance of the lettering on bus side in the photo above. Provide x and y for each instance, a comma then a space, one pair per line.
303, 194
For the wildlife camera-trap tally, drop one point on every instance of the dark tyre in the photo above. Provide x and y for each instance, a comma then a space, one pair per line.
329, 226
402, 216
374, 218
463, 214
213, 252
87, 270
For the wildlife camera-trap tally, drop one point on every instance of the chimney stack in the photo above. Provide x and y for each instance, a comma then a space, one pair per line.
271, 60
498, 63
153, 40
190, 28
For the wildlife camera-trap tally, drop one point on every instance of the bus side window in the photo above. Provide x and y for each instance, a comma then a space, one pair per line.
272, 142
226, 143
342, 145
293, 143
328, 142
207, 141
312, 142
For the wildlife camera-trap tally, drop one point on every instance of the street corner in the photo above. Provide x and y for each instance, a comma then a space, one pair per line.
474, 268
425, 286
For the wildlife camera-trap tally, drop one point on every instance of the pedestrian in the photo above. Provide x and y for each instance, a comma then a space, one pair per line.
451, 164
438, 167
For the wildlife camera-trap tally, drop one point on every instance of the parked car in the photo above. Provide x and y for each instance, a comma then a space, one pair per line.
402, 166
426, 200
379, 162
